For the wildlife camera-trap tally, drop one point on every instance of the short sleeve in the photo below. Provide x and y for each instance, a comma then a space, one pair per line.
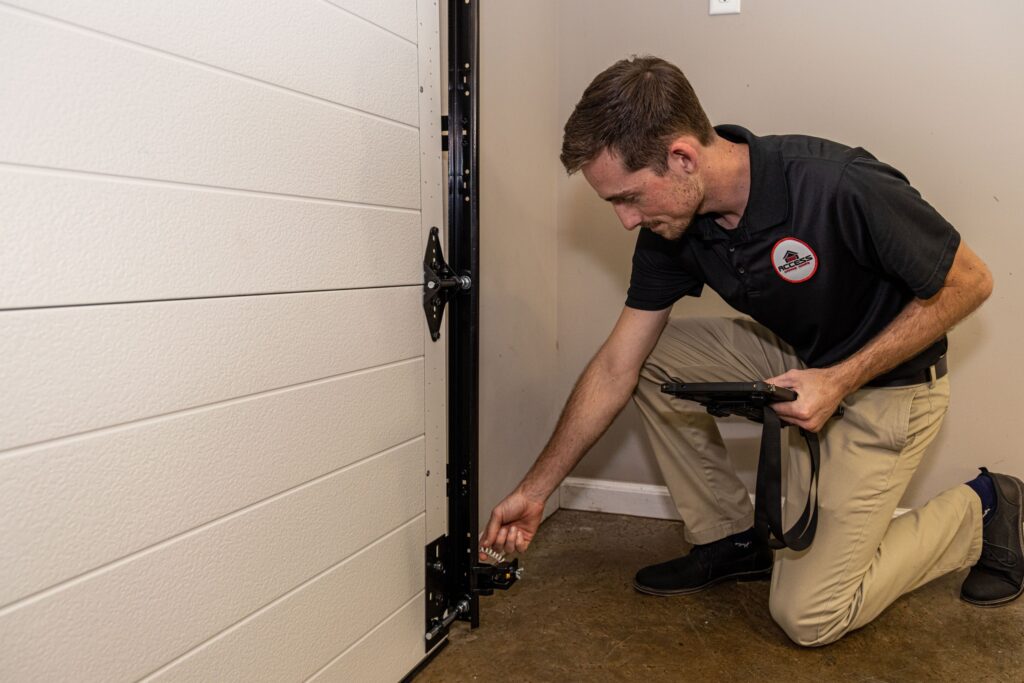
659, 277
891, 228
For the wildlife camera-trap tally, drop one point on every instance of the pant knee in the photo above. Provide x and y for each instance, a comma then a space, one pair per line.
790, 621
806, 626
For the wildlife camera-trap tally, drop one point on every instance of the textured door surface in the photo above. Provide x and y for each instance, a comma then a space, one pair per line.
221, 416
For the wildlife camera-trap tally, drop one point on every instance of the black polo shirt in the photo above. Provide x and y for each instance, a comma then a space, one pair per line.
831, 247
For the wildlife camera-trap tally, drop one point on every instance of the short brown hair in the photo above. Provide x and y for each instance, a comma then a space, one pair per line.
634, 108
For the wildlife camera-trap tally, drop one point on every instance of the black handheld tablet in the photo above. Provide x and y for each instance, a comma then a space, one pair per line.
746, 399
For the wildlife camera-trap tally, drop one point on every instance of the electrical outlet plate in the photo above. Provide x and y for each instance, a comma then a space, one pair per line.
724, 6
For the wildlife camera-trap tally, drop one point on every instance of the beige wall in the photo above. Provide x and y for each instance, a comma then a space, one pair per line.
519, 175
934, 88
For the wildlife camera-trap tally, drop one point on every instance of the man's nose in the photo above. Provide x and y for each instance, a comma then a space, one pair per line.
629, 217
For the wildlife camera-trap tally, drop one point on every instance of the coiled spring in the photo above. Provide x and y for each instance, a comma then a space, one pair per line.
493, 554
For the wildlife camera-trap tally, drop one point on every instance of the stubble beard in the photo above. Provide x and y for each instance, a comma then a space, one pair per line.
689, 196
671, 231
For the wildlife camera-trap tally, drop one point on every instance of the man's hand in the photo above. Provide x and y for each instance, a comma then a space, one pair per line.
513, 524
819, 393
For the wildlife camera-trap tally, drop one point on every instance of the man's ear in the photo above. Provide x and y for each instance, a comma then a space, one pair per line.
684, 154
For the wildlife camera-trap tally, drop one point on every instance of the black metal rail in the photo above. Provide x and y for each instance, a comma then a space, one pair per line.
464, 315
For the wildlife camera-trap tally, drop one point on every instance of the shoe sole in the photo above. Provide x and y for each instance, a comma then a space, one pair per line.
993, 603
739, 576
1020, 540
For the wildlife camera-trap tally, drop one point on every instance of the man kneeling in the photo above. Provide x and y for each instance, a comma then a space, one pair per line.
852, 281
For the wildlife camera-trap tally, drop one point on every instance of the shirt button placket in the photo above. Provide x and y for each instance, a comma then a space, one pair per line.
739, 269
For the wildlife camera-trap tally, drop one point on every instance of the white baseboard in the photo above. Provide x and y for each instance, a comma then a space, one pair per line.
624, 498
617, 497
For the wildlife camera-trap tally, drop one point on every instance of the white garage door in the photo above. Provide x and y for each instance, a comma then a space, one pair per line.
218, 399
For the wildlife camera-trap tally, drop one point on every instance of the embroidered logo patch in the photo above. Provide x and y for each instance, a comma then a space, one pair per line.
794, 260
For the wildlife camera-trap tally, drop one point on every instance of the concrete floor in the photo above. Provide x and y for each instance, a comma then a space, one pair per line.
575, 617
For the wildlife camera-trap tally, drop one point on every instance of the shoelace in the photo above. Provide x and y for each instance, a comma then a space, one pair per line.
718, 550
988, 553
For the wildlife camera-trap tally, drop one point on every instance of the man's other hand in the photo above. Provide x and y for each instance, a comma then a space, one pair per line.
819, 392
513, 524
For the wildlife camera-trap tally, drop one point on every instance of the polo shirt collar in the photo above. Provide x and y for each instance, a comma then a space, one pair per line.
768, 204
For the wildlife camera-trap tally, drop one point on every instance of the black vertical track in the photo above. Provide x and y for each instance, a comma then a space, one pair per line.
464, 312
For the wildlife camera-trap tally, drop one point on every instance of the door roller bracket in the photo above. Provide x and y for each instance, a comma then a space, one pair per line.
440, 283
500, 576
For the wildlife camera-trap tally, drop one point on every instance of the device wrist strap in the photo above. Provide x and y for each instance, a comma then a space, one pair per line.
768, 501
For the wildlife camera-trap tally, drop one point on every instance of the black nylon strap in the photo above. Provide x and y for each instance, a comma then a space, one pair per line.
768, 497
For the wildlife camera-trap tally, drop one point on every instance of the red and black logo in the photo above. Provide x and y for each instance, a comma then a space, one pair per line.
794, 260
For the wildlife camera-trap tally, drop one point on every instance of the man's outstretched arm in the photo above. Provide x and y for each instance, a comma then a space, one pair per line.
918, 325
600, 394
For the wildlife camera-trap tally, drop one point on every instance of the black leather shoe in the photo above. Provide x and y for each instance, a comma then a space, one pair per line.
705, 566
998, 577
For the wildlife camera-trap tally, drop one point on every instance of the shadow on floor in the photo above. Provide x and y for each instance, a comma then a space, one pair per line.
575, 617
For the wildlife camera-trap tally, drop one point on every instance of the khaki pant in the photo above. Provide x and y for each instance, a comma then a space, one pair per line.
861, 559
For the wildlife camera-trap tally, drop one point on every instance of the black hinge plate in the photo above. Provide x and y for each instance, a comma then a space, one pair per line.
444, 133
437, 599
440, 283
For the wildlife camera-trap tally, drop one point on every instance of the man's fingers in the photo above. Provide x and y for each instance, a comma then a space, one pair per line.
499, 542
492, 531
789, 413
521, 543
797, 410
784, 409
510, 541
787, 380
